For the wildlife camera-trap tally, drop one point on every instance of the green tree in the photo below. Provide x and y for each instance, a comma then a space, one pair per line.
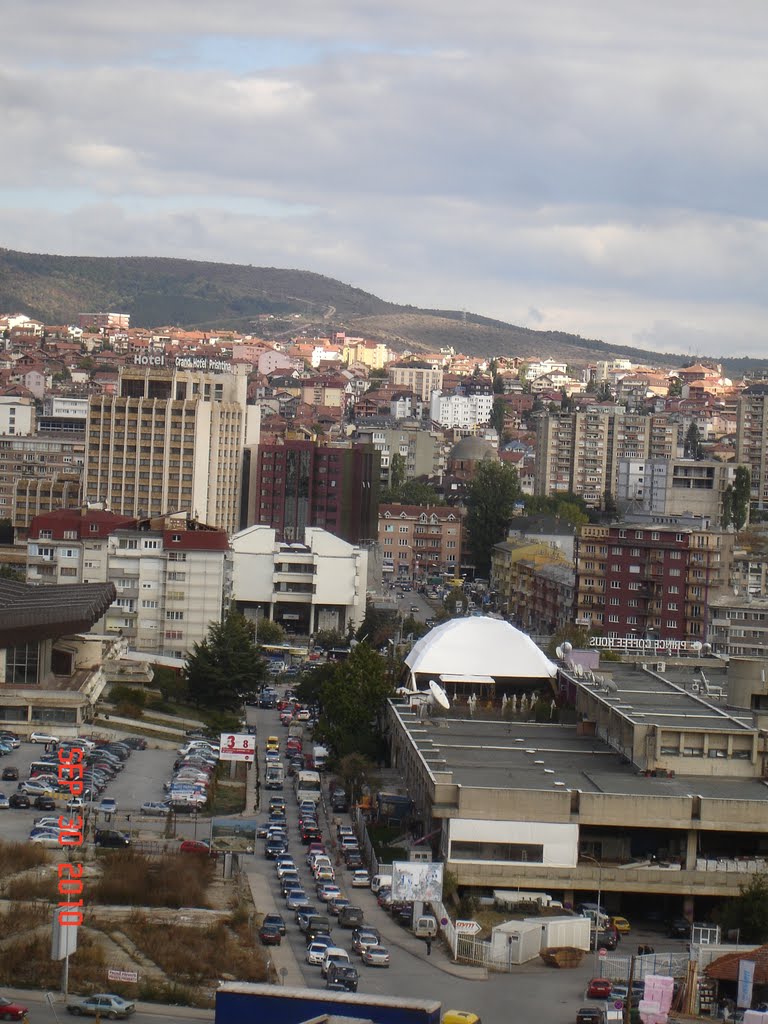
329, 638
742, 489
748, 912
490, 500
576, 636
675, 388
571, 513
225, 666
610, 508
396, 472
604, 393
269, 632
498, 413
414, 627
727, 513
352, 704
357, 774
378, 626
7, 572
692, 443
498, 384
416, 492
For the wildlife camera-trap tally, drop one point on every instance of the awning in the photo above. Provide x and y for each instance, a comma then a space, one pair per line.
474, 680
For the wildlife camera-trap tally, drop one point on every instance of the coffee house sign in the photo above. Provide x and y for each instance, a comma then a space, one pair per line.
639, 643
204, 363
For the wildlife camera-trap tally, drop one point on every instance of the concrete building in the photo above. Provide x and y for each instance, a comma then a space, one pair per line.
673, 487
173, 438
534, 583
171, 574
17, 415
37, 471
421, 378
104, 321
307, 586
52, 671
738, 625
333, 487
655, 795
419, 541
460, 411
62, 414
752, 439
422, 450
650, 580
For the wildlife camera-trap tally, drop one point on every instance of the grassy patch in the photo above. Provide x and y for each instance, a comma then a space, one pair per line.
227, 798
16, 857
173, 880
27, 963
197, 956
27, 887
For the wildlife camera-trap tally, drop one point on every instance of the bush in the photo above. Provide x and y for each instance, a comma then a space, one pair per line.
16, 857
172, 880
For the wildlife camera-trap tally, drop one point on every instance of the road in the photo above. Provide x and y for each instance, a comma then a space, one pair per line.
42, 1012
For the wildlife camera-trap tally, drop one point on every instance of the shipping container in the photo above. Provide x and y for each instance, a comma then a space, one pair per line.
243, 1003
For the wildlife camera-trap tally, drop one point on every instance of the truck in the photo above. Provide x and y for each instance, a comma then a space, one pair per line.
320, 755
243, 1001
274, 777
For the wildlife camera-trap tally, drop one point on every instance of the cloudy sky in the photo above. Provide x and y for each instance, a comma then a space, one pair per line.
596, 166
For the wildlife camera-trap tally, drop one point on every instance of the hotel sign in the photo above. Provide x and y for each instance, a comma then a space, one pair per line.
639, 643
204, 363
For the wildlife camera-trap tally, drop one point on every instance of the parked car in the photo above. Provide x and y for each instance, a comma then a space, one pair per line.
47, 839
103, 1004
155, 808
10, 1010
108, 805
111, 838
622, 925
679, 928
590, 1015
10, 774
599, 988
360, 879
375, 956
269, 934
4, 802
45, 803
43, 737
197, 846
19, 800
276, 920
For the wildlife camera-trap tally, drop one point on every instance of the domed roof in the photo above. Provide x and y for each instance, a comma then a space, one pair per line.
479, 646
473, 449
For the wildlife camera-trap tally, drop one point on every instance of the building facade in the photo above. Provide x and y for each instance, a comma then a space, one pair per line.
418, 377
319, 583
672, 486
534, 584
17, 415
38, 473
423, 451
418, 541
460, 411
752, 440
172, 438
171, 574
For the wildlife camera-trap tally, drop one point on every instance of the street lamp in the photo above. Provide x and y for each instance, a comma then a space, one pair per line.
585, 856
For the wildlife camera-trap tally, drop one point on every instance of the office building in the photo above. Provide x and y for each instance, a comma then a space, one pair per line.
172, 438
62, 414
38, 473
333, 487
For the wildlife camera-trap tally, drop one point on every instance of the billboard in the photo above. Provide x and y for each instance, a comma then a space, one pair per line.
237, 747
417, 880
233, 835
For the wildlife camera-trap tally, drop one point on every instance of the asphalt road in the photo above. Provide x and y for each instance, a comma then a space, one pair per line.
50, 1009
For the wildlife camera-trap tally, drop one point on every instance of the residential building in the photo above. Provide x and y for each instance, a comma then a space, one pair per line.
650, 580
462, 411
419, 377
752, 439
308, 585
104, 321
63, 414
373, 354
17, 415
738, 626
302, 483
673, 486
420, 541
36, 471
171, 574
51, 671
534, 583
422, 450
172, 438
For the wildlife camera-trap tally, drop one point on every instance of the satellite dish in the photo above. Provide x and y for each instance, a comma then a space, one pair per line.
567, 648
438, 694
697, 645
559, 653
706, 648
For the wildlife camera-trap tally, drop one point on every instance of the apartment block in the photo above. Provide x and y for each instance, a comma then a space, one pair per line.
534, 584
738, 626
460, 411
37, 471
650, 580
673, 486
752, 440
171, 573
421, 378
422, 450
171, 439
333, 487
17, 415
419, 541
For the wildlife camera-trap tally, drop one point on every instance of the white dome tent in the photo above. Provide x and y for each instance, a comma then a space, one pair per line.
479, 655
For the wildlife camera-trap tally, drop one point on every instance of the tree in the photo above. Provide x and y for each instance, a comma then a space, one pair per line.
352, 702
748, 912
7, 572
378, 626
226, 665
269, 632
742, 490
727, 513
604, 393
610, 508
490, 501
576, 636
675, 388
498, 413
498, 384
416, 492
396, 472
692, 443
329, 638
357, 774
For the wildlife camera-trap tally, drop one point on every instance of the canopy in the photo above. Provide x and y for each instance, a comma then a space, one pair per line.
479, 646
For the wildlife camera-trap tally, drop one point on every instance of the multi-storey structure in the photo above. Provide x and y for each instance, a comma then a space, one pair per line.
419, 541
419, 377
171, 574
172, 438
17, 415
462, 411
738, 625
649, 580
62, 414
534, 584
301, 484
423, 451
105, 321
672, 486
38, 473
752, 439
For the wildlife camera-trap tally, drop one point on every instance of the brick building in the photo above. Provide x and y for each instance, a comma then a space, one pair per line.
419, 541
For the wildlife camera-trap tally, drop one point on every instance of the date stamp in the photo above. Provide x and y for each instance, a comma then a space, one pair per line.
70, 873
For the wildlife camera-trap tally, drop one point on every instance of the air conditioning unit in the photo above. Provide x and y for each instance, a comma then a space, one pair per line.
661, 666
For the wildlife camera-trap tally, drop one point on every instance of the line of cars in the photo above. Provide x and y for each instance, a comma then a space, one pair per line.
193, 770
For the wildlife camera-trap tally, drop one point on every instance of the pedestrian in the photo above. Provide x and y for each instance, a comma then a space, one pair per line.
429, 946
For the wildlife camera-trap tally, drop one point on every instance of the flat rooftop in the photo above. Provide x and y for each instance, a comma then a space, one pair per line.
492, 754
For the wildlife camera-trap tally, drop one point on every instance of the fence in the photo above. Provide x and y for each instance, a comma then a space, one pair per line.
471, 950
673, 965
365, 840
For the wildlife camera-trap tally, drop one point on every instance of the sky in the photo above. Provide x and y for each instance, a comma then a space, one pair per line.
597, 167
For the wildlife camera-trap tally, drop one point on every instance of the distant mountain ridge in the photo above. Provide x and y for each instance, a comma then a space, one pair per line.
188, 293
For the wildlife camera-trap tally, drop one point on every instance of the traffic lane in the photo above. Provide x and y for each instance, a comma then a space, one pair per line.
413, 600
39, 1004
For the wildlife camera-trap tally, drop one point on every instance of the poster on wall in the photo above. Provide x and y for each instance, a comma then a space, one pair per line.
417, 880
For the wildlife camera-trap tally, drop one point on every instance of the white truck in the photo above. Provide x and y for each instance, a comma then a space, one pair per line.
320, 757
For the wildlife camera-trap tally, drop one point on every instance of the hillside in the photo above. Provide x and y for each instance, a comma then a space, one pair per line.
189, 293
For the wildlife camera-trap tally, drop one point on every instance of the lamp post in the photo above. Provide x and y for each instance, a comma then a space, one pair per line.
585, 856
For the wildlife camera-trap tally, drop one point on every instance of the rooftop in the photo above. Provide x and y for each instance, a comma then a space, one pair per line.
32, 613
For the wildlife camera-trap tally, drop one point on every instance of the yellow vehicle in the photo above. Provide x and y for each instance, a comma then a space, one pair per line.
273, 744
460, 1017
622, 925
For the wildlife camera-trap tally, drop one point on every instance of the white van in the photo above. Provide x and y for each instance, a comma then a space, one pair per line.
380, 881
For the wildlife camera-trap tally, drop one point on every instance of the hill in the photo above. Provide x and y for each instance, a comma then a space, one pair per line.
189, 293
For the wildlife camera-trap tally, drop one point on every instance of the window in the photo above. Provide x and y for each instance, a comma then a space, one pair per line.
615, 600
655, 535
615, 584
516, 852
671, 623
94, 527
70, 535
177, 577
176, 538
672, 606
674, 572
177, 556
403, 529
21, 664
676, 555
679, 537
149, 604
151, 545
631, 620
635, 552
174, 615
613, 618
173, 634
127, 545
638, 534
68, 572
389, 528
46, 535
403, 542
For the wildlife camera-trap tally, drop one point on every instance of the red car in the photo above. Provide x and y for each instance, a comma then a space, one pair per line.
196, 846
599, 988
11, 1011
270, 935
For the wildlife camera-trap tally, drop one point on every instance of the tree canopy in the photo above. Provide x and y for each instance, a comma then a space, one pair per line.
226, 665
352, 702
748, 912
490, 500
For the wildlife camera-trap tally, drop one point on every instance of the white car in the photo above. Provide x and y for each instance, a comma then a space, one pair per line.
48, 822
360, 880
49, 839
75, 803
43, 737
316, 953
108, 805
4, 803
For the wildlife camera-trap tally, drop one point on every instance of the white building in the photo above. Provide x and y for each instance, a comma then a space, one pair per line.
460, 411
17, 415
171, 573
320, 584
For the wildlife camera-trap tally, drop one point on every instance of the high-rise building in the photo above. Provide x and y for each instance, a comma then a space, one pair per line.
173, 438
752, 439
300, 484
419, 377
38, 473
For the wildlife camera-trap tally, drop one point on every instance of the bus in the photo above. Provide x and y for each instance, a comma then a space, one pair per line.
307, 786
